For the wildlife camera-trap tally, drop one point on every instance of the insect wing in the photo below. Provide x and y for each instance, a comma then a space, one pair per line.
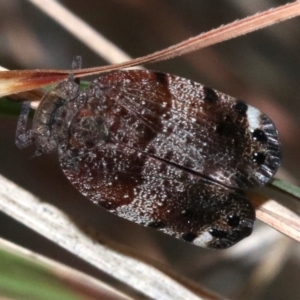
153, 193
187, 124
164, 152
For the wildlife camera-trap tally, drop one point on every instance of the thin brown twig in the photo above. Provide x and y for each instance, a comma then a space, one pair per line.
18, 81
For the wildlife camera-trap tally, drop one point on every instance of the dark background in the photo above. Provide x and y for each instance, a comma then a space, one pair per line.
261, 68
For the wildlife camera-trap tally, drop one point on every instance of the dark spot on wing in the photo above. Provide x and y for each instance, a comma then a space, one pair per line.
108, 205
189, 237
259, 135
210, 95
226, 127
156, 224
161, 77
241, 107
218, 233
259, 158
233, 220
188, 213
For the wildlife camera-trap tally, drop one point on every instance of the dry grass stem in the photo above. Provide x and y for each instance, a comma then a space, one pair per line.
12, 82
277, 216
81, 30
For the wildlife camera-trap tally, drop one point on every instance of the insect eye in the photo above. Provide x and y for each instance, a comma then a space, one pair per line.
218, 233
233, 220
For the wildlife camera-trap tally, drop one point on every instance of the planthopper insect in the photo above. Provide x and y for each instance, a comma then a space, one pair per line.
159, 150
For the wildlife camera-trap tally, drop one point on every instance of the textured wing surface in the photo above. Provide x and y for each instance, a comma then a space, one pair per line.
154, 193
168, 153
187, 124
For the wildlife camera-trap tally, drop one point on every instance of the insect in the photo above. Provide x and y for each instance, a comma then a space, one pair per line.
159, 150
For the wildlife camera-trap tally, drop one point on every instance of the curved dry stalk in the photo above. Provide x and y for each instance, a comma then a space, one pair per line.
12, 82
31, 95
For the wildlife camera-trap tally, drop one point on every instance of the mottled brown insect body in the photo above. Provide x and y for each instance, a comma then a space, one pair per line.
165, 152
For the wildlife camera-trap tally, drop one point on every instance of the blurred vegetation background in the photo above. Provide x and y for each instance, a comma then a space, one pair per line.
261, 68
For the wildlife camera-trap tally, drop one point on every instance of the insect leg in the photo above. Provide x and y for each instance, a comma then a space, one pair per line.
24, 138
77, 63
69, 88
